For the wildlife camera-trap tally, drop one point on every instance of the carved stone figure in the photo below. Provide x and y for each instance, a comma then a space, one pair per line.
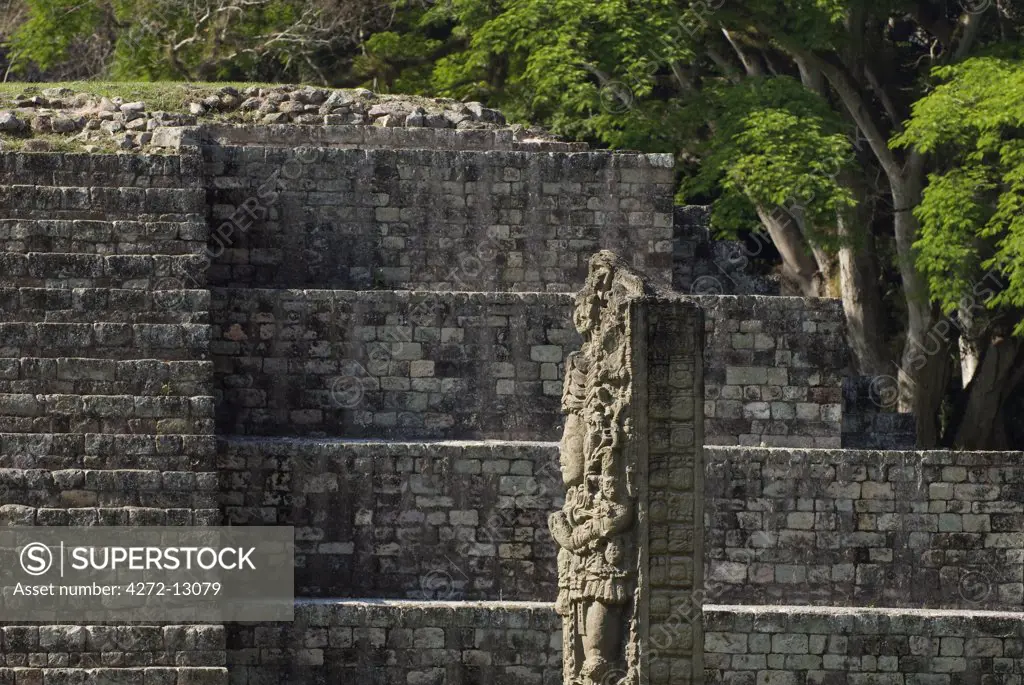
595, 529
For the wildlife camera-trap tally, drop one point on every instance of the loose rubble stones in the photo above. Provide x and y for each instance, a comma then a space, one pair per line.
9, 121
122, 124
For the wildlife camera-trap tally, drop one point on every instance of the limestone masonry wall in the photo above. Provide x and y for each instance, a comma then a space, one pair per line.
702, 265
773, 371
132, 655
519, 643
65, 479
805, 646
103, 340
466, 521
401, 642
106, 406
114, 451
58, 172
467, 365
857, 528
870, 417
433, 219
380, 364
444, 521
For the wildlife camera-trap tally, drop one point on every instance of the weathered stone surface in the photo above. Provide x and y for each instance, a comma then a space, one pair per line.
9, 121
409, 642
470, 526
880, 646
106, 411
628, 450
463, 220
363, 357
886, 528
114, 353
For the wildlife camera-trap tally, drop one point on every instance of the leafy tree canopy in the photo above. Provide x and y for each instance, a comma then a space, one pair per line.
972, 211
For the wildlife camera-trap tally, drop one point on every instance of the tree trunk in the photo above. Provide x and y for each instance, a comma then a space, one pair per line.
925, 371
798, 264
821, 258
925, 364
862, 298
980, 423
970, 349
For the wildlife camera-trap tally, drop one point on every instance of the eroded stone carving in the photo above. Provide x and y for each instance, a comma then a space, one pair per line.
596, 528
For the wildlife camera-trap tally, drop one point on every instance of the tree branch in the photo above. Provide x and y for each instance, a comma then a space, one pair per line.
811, 77
752, 66
971, 23
883, 96
723, 63
855, 104
922, 13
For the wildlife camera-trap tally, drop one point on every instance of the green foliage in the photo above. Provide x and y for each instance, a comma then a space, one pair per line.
397, 62
775, 143
51, 28
972, 214
169, 39
615, 73
814, 24
585, 69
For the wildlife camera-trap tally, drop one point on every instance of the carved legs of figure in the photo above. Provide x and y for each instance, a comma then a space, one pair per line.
601, 642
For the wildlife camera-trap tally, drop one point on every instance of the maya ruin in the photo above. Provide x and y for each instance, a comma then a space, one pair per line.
529, 426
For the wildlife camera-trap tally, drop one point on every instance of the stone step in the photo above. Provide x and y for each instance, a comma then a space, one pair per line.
870, 415
703, 266
86, 376
213, 675
432, 219
165, 452
121, 202
390, 364
782, 643
467, 520
186, 341
110, 305
413, 364
723, 267
879, 431
312, 139
74, 270
376, 640
25, 413
113, 170
394, 519
25, 489
509, 643
104, 237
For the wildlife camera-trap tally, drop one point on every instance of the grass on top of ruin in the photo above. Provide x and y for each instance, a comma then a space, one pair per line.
168, 96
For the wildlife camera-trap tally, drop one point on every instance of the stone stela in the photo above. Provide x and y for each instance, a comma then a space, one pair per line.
630, 461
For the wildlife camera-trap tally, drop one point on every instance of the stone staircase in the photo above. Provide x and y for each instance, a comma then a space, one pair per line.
106, 405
